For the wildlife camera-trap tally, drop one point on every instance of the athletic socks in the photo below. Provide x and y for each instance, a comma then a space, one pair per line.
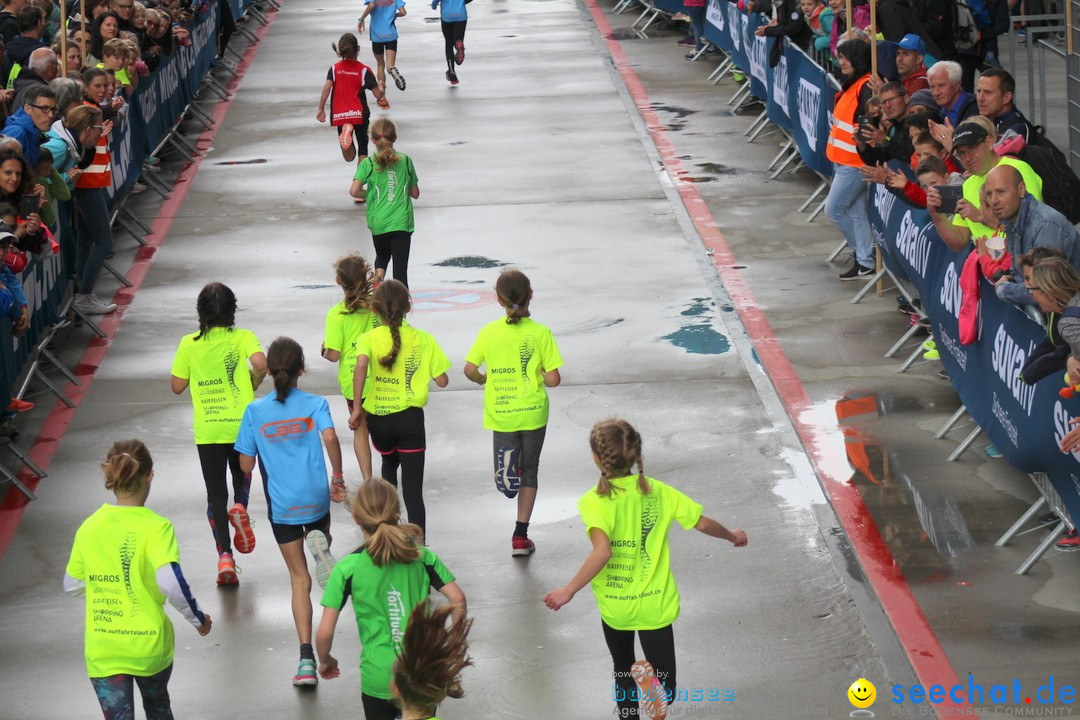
521, 529
307, 652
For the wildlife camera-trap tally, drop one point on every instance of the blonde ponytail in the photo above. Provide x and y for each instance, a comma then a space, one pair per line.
376, 509
127, 467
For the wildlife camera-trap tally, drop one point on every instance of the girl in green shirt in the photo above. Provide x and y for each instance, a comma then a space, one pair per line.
391, 186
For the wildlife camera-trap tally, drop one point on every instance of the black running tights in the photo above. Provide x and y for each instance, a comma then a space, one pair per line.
453, 33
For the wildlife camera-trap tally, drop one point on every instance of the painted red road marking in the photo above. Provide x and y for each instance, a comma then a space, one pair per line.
923, 649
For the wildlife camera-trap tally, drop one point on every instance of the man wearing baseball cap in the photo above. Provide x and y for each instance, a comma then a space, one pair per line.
973, 145
911, 63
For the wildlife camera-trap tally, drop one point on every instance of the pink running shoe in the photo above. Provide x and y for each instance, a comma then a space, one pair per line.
345, 138
653, 695
244, 537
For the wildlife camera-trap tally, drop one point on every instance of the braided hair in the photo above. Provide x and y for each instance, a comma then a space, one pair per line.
617, 445
391, 303
216, 306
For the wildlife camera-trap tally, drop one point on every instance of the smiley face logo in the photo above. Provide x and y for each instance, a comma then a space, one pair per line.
862, 693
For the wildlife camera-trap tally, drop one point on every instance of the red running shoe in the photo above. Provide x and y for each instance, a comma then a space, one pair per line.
652, 693
226, 570
521, 546
345, 138
459, 52
17, 405
452, 77
244, 537
1069, 543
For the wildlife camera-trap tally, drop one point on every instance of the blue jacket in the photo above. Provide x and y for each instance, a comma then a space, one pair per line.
11, 282
1036, 225
21, 127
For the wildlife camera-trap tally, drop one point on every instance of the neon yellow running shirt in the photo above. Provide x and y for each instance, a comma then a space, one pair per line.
404, 385
343, 329
636, 590
216, 368
116, 553
517, 355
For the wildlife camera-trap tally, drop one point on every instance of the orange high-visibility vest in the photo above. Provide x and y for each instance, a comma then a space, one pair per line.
841, 149
99, 173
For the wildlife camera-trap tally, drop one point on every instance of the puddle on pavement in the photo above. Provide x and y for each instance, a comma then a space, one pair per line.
471, 261
622, 34
256, 161
718, 169
459, 142
311, 287
699, 338
924, 528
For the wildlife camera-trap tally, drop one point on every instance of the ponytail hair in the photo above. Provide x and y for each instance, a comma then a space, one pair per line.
384, 135
428, 669
347, 47
284, 362
127, 467
391, 303
375, 508
353, 274
515, 293
216, 306
618, 447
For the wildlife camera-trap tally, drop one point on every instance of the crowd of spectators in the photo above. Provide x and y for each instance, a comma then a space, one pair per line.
64, 92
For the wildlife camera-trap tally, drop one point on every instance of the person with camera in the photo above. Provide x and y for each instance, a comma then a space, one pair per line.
880, 139
846, 202
973, 145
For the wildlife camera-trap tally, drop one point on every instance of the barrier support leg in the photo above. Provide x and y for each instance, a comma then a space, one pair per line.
964, 445
135, 218
1019, 524
715, 75
201, 115
950, 423
131, 229
30, 464
156, 185
836, 253
116, 274
257, 14
1051, 538
902, 341
869, 286
759, 124
11, 478
787, 161
813, 196
817, 211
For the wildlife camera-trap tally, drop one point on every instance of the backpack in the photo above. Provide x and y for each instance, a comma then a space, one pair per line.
965, 25
1061, 187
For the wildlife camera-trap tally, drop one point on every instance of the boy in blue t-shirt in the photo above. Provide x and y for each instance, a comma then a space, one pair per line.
454, 17
384, 37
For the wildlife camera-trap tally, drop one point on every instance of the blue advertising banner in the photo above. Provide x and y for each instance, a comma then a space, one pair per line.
1025, 422
778, 108
810, 98
723, 28
757, 54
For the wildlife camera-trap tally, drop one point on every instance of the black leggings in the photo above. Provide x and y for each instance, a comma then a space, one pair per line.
659, 649
378, 709
216, 459
393, 245
401, 440
453, 33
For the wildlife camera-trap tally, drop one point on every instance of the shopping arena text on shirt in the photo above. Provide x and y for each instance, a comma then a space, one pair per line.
1049, 693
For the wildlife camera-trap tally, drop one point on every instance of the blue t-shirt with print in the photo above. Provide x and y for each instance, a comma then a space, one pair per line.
452, 10
383, 17
287, 436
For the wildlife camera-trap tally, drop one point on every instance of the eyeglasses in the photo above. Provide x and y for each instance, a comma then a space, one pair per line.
887, 100
123, 7
51, 109
99, 127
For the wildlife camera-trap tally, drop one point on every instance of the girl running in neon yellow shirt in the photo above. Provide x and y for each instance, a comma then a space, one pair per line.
126, 561
522, 361
222, 365
386, 578
627, 517
400, 360
345, 323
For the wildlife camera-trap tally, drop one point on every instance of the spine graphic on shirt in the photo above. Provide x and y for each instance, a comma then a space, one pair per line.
650, 512
396, 612
127, 554
526, 351
412, 364
232, 362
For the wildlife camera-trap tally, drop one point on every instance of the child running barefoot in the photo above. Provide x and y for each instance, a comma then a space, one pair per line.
222, 365
627, 517
384, 39
454, 17
428, 669
400, 361
345, 323
126, 560
389, 184
284, 429
386, 578
347, 83
522, 361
